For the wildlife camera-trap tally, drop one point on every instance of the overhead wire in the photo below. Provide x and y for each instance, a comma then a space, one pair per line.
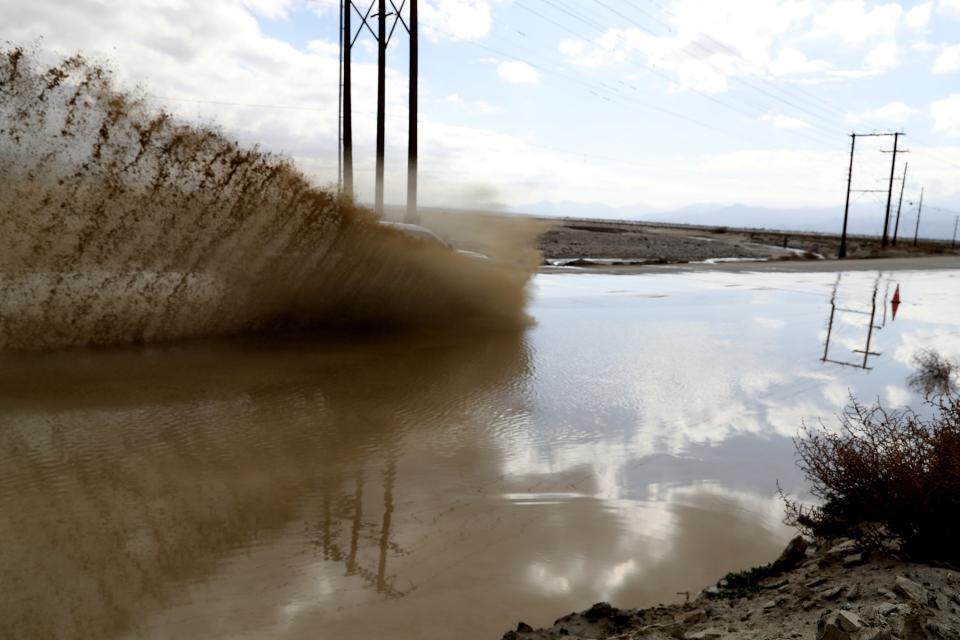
707, 51
667, 77
796, 90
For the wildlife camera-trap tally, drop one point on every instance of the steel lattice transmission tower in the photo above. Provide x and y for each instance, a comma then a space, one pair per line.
382, 37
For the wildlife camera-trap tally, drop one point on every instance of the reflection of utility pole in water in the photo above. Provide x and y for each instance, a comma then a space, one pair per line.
389, 477
833, 311
326, 540
356, 523
870, 327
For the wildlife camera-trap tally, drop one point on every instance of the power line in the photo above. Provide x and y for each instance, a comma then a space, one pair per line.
708, 52
795, 90
666, 76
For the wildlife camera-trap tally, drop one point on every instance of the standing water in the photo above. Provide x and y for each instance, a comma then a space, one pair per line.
624, 448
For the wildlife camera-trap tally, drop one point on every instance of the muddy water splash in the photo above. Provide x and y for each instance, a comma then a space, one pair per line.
120, 224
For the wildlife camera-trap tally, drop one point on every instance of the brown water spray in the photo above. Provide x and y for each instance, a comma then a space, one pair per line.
120, 224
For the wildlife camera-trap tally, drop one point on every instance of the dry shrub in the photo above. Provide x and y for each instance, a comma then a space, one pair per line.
885, 474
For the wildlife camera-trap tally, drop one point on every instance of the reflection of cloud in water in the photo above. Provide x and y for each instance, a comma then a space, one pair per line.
896, 396
620, 450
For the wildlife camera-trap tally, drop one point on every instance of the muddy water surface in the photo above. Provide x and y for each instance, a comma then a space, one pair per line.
625, 448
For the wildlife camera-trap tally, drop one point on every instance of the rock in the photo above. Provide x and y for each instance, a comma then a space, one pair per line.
828, 627
853, 560
913, 627
830, 594
872, 634
886, 608
694, 617
772, 604
941, 630
816, 582
910, 589
844, 625
886, 593
523, 627
940, 601
849, 621
842, 546
793, 554
707, 634
854, 593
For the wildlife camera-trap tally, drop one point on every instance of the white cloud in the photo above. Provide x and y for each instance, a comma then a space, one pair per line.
709, 43
949, 8
785, 122
924, 46
896, 396
471, 105
948, 61
892, 113
852, 22
517, 72
918, 17
946, 115
794, 62
455, 19
273, 9
883, 57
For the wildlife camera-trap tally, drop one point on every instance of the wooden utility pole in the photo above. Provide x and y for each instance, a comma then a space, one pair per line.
381, 101
916, 231
347, 45
412, 215
842, 253
886, 218
896, 226
956, 222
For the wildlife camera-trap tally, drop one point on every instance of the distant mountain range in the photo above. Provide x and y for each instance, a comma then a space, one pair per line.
864, 219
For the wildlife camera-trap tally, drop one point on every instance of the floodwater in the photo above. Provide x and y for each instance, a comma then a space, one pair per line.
624, 448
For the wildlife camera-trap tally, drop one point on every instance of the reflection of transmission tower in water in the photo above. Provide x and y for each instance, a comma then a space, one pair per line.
362, 533
871, 325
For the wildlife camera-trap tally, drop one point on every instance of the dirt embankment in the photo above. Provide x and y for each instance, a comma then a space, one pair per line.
831, 591
605, 242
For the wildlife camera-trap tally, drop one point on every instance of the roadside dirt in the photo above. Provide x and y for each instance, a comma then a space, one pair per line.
602, 243
831, 591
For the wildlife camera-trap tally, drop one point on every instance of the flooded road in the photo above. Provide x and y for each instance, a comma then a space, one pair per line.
625, 448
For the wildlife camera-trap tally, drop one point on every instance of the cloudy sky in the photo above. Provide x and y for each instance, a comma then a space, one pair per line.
638, 103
